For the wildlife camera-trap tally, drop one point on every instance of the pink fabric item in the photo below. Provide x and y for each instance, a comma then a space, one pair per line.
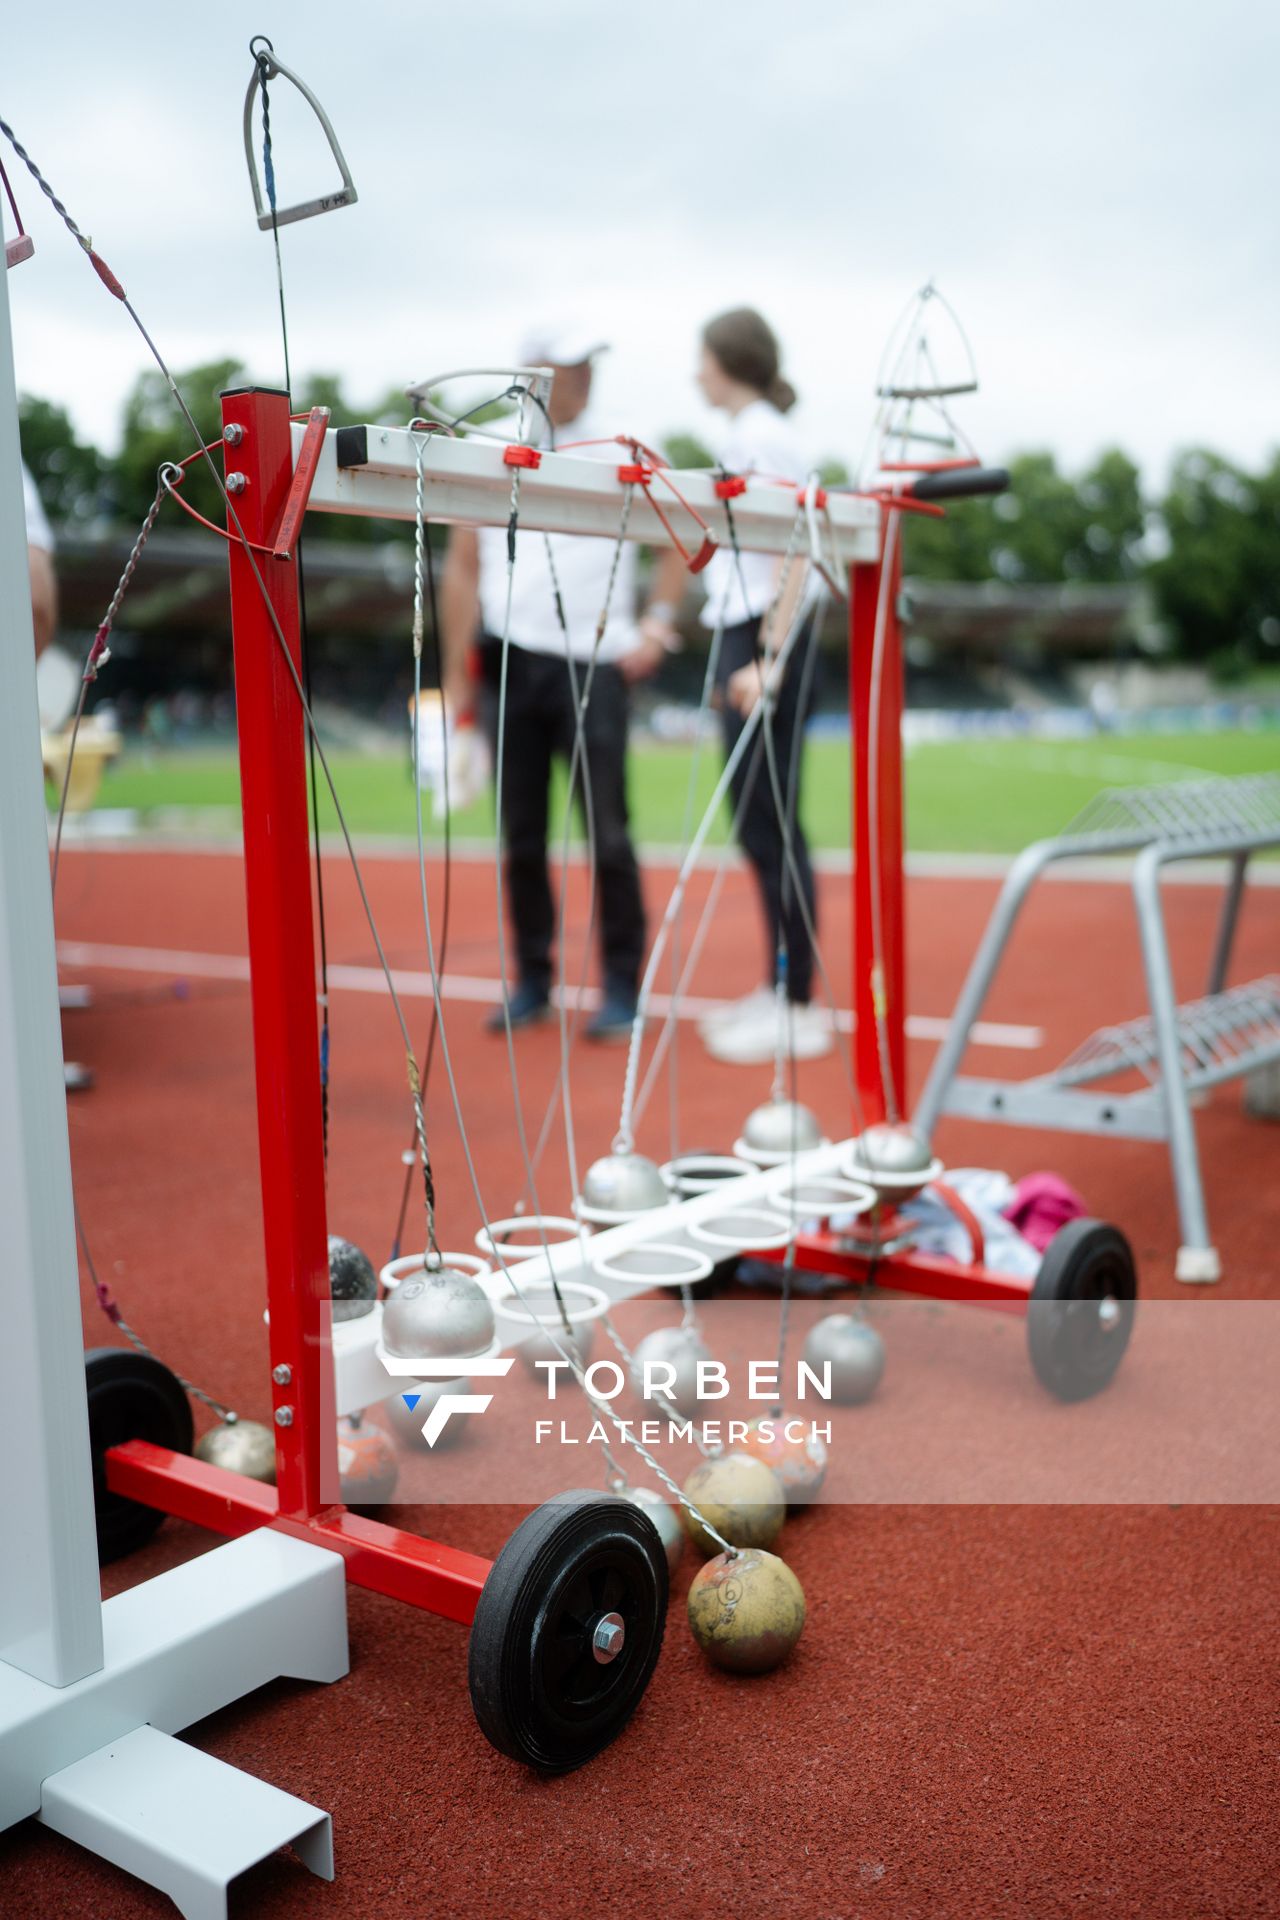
1041, 1204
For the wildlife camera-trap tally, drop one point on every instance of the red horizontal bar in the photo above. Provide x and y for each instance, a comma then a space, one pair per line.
925, 1274
384, 1559
189, 1489
387, 1560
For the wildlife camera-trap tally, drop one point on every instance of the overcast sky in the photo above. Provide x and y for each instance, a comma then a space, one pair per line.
1094, 186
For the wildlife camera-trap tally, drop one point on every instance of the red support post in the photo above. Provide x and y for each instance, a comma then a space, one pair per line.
878, 817
273, 788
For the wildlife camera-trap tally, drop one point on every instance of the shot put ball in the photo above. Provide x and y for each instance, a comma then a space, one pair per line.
746, 1611
740, 1496
353, 1284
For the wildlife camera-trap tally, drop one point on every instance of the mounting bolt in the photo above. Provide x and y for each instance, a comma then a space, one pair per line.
284, 1416
282, 1375
237, 482
607, 1640
233, 434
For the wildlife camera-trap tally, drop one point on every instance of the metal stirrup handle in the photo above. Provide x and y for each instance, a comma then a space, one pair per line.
267, 66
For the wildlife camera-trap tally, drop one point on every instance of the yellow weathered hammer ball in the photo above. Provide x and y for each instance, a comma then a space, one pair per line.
746, 1611
740, 1497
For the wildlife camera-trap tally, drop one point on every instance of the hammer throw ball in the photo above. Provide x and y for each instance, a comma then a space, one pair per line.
741, 1497
746, 1611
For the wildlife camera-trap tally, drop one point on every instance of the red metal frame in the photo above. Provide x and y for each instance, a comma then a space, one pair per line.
282, 960
277, 860
886, 871
879, 982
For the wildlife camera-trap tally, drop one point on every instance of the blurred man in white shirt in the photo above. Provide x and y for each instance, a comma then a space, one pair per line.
540, 706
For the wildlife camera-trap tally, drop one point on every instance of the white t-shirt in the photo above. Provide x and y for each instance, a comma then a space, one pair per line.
582, 567
39, 532
757, 440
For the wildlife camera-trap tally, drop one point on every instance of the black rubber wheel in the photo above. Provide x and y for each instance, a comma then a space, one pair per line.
1081, 1311
131, 1397
541, 1690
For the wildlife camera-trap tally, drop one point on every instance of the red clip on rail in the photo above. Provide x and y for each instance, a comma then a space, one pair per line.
518, 455
730, 486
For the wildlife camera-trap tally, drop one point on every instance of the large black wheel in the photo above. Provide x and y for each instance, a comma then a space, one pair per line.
131, 1397
1081, 1311
568, 1630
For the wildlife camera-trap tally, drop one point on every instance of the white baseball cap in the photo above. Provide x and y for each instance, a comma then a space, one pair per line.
560, 343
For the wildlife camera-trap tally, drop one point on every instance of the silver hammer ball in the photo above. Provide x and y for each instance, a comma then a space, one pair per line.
780, 1128
682, 1349
406, 1422
893, 1149
241, 1446
855, 1352
625, 1183
353, 1284
437, 1315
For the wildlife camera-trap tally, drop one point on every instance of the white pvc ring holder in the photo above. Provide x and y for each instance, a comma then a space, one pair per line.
696, 1265
496, 1241
528, 1319
744, 1237
817, 1196
759, 1157
607, 1216
694, 1173
408, 1264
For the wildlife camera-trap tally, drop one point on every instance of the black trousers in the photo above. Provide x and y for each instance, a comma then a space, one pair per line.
540, 727
759, 823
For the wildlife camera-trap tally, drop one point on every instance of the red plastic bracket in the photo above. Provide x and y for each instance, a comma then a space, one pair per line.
521, 456
304, 475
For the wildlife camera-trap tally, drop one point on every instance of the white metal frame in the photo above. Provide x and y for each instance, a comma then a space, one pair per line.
468, 481
78, 1678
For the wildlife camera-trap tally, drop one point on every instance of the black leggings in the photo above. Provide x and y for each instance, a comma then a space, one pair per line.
759, 824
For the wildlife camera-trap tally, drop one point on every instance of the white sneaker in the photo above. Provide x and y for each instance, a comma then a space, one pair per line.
754, 1040
751, 1006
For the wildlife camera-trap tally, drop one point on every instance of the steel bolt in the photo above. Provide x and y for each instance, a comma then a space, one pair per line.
237, 482
284, 1416
282, 1375
607, 1640
233, 434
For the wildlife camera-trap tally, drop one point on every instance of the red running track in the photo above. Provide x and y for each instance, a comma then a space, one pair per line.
994, 1712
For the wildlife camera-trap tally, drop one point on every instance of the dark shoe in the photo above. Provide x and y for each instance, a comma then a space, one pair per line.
529, 1006
614, 1018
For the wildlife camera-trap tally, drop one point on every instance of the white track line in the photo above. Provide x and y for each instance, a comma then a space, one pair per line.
412, 985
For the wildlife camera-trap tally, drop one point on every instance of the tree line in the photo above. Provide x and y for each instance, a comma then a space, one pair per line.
1207, 545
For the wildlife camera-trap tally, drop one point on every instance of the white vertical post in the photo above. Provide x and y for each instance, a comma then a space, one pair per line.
50, 1610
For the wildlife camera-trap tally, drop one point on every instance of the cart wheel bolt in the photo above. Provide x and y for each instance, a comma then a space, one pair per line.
1108, 1313
237, 482
282, 1375
233, 434
608, 1638
284, 1416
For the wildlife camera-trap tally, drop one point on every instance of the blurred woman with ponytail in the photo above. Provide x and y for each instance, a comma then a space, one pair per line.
740, 374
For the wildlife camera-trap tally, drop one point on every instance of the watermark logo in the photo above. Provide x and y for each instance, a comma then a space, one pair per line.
445, 1405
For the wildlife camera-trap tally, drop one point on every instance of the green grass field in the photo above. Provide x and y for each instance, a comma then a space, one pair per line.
981, 796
